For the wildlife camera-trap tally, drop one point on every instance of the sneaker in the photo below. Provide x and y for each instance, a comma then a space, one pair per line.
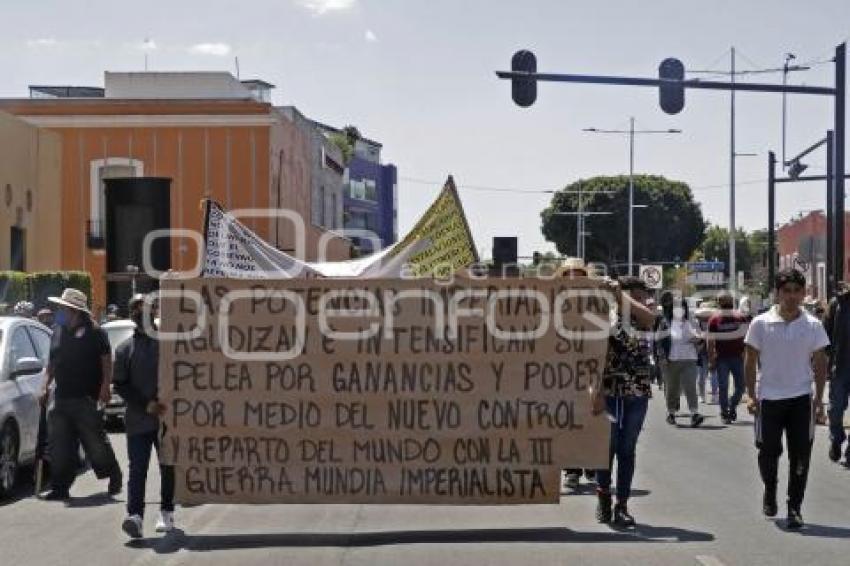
622, 517
603, 506
733, 414
795, 519
115, 483
696, 420
165, 522
726, 417
58, 495
671, 419
834, 450
132, 525
702, 399
769, 504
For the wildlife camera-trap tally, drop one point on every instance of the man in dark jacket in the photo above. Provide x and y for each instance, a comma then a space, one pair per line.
837, 325
136, 380
81, 366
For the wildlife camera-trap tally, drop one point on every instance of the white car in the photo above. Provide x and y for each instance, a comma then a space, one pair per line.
117, 331
24, 352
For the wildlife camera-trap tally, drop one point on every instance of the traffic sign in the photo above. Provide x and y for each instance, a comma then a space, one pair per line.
652, 275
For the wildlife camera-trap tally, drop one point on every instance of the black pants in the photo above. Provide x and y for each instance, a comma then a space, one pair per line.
71, 422
794, 418
139, 447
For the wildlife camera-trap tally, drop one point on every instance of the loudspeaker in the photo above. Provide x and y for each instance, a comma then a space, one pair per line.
504, 250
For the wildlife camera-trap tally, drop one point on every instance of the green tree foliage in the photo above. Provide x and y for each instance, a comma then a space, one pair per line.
36, 287
671, 227
14, 287
345, 140
715, 247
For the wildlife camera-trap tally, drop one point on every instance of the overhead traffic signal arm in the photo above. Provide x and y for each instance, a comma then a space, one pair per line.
524, 78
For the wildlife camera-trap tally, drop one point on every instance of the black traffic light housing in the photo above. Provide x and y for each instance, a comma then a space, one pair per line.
524, 90
671, 94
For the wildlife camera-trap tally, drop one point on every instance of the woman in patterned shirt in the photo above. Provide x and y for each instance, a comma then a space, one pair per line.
626, 389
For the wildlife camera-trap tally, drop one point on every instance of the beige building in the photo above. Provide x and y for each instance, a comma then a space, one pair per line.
30, 196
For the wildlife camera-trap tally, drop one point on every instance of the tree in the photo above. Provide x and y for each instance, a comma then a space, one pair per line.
345, 140
669, 229
715, 247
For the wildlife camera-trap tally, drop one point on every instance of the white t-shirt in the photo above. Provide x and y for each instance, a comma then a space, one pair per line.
785, 353
681, 347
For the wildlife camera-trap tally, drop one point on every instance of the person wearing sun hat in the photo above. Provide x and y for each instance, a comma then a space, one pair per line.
81, 365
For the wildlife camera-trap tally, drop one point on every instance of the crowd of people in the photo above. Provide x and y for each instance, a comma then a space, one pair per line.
781, 358
80, 377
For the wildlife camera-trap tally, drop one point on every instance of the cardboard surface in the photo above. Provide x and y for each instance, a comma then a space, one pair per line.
401, 416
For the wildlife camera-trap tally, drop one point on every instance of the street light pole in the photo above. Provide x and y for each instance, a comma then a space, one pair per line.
631, 192
631, 132
733, 274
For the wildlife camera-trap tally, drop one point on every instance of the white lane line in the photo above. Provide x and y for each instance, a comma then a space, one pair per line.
709, 560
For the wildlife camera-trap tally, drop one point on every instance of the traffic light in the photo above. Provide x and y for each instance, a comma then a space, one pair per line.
524, 90
671, 95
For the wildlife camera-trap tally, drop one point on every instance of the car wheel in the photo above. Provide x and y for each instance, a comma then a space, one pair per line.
8, 459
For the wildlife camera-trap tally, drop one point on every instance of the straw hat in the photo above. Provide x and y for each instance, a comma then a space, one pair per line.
572, 267
73, 299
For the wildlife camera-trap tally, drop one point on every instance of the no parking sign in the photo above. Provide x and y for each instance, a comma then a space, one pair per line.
652, 276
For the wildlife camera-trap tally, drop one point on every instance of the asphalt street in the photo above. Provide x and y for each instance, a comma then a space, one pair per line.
697, 501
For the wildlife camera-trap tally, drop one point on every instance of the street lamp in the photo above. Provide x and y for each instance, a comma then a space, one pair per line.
631, 131
580, 232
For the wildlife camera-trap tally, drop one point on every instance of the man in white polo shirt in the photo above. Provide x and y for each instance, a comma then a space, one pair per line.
787, 343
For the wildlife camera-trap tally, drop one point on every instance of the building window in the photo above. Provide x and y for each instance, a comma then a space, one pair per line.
361, 221
102, 169
321, 206
363, 190
17, 249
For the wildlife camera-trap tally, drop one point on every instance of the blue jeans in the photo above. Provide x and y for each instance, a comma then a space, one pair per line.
735, 366
139, 448
839, 390
630, 412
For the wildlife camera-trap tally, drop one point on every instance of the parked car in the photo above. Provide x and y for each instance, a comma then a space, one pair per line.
24, 352
117, 331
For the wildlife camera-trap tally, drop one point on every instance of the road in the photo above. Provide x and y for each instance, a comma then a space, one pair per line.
697, 501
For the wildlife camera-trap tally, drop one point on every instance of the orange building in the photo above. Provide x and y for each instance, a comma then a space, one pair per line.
211, 142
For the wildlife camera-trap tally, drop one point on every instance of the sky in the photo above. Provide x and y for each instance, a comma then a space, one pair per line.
418, 76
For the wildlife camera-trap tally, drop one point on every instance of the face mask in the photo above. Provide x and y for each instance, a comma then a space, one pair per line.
61, 318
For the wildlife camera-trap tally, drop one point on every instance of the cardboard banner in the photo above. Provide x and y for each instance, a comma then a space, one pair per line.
438, 245
269, 402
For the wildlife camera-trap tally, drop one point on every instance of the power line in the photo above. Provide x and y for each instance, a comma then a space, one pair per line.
553, 191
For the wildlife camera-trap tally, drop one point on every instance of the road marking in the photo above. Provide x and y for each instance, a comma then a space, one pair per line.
709, 560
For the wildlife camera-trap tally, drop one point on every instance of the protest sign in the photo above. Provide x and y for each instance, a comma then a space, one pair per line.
439, 244
273, 400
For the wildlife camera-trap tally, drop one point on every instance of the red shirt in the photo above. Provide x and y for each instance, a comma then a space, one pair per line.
733, 323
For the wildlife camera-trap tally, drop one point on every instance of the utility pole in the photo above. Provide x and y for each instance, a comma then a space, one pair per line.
733, 273
632, 206
631, 193
838, 158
